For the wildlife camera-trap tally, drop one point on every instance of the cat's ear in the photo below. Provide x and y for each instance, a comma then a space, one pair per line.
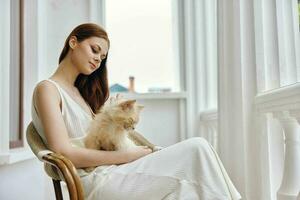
127, 104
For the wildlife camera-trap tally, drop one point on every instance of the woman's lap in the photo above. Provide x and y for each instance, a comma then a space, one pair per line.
186, 167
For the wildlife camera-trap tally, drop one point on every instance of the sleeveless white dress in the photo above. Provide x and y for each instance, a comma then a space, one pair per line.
188, 170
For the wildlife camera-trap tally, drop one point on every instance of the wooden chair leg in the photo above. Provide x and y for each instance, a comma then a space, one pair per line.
57, 189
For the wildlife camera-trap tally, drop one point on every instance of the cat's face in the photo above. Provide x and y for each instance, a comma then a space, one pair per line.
123, 112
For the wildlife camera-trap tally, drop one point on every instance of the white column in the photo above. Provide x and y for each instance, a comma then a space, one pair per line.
290, 184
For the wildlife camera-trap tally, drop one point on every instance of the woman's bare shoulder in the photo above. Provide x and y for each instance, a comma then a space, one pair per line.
46, 89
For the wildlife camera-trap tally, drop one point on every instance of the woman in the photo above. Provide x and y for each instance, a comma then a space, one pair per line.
63, 107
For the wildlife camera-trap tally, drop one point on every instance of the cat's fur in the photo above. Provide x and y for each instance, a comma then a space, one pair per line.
113, 127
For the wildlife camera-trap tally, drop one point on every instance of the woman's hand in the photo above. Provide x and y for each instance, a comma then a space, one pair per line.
137, 152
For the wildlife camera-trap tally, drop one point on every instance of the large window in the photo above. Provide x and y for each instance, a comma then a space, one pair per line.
16, 75
141, 35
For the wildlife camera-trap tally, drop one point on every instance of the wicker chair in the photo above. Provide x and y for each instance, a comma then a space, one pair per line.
57, 167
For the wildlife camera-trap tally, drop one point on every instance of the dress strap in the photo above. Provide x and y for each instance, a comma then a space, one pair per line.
56, 85
64, 94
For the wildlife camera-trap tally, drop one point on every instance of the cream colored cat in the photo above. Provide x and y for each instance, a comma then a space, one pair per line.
113, 127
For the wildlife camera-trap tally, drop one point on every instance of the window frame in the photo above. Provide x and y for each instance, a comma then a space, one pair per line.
18, 12
29, 78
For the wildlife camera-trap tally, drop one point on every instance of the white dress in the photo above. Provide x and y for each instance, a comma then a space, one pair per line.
188, 170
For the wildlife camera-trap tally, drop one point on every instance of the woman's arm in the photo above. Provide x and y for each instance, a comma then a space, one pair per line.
48, 106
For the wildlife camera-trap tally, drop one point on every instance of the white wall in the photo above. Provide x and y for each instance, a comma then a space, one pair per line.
56, 19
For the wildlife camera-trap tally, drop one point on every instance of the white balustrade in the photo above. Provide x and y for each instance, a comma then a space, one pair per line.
284, 104
290, 184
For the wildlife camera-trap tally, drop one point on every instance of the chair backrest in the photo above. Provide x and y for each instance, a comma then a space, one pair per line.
37, 145
34, 139
56, 166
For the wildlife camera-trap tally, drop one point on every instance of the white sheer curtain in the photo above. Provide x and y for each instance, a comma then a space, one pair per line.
238, 138
258, 50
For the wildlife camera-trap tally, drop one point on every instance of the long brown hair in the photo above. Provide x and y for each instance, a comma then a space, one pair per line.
94, 87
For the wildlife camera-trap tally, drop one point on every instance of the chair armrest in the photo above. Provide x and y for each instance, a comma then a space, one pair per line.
74, 173
68, 171
42, 153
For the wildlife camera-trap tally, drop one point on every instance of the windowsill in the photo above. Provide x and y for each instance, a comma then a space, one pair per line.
16, 155
154, 96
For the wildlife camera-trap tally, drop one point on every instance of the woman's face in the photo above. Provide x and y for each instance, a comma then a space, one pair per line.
88, 54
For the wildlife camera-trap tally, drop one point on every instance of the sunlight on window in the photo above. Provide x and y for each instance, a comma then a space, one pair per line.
141, 45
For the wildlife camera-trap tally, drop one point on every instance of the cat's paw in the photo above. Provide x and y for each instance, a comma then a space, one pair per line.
157, 148
89, 169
